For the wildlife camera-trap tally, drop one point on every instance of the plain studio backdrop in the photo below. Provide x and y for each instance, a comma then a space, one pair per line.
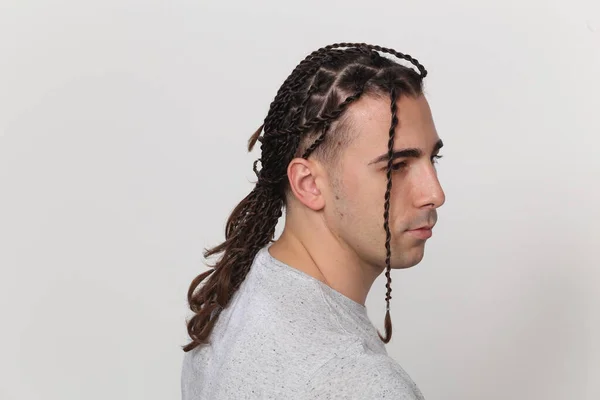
123, 131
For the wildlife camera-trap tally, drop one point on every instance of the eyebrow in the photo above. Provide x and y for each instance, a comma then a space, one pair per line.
407, 153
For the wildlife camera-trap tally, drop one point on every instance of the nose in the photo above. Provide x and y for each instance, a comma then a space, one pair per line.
428, 190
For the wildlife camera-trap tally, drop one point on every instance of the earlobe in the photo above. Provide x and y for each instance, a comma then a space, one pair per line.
303, 179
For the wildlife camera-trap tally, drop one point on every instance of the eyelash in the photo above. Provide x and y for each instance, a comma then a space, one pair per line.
400, 165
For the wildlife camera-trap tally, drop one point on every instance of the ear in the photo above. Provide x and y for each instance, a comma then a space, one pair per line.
305, 179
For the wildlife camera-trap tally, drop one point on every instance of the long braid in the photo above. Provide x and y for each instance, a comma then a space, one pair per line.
386, 215
308, 103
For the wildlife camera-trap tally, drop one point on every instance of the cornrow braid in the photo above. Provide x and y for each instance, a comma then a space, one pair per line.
317, 142
315, 59
305, 112
306, 68
326, 119
318, 120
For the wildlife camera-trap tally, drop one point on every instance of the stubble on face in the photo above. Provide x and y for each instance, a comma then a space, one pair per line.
357, 192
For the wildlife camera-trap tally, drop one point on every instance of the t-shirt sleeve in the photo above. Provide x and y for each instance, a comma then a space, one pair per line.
365, 376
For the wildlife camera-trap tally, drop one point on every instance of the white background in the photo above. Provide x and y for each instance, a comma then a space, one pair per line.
123, 127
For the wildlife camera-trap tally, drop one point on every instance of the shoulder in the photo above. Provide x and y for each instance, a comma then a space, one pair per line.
362, 376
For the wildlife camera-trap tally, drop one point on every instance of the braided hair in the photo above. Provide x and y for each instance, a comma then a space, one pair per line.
307, 112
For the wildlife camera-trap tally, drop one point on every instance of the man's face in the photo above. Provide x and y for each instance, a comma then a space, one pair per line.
355, 205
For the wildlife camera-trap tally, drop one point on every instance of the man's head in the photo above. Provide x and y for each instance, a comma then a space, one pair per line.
347, 149
337, 112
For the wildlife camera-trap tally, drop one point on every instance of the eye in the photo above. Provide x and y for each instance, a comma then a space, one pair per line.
398, 166
435, 158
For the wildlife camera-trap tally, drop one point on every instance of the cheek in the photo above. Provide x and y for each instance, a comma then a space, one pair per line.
362, 198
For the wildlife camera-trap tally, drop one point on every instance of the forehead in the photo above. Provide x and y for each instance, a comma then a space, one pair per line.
370, 118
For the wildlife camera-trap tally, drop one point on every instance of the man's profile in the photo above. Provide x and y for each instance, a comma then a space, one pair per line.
348, 150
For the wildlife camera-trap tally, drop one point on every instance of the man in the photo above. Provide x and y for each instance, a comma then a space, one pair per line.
348, 148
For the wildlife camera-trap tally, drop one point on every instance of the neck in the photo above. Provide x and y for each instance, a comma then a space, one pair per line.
323, 256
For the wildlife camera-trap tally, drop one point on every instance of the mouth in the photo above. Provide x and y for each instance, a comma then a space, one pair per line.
424, 232
430, 227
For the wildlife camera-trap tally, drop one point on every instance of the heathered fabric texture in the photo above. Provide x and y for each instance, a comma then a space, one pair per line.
286, 335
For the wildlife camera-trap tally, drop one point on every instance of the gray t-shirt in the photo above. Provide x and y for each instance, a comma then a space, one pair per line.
286, 335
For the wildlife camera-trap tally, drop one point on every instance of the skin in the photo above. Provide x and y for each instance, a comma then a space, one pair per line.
334, 217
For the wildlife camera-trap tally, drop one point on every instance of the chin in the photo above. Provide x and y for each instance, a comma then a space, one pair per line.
408, 260
405, 265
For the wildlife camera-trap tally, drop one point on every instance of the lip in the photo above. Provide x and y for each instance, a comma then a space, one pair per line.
422, 233
430, 227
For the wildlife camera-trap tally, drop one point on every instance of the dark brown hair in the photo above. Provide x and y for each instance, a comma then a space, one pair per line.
306, 113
